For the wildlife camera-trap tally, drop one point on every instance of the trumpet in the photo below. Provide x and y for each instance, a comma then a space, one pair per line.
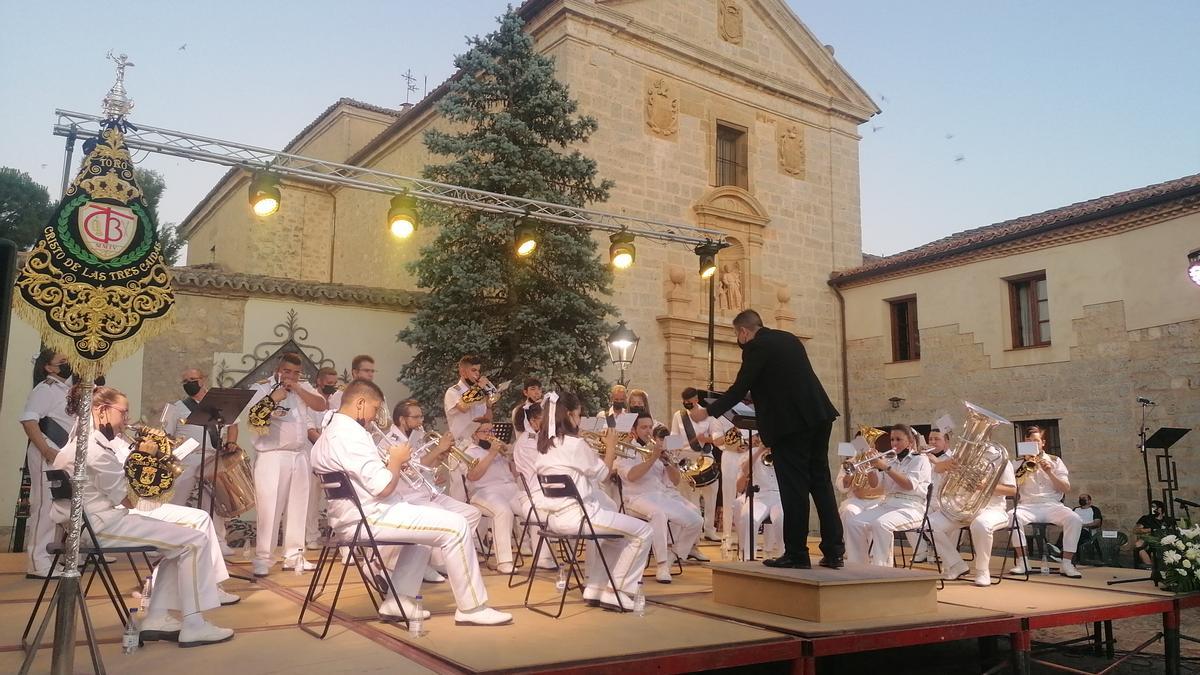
1029, 466
859, 467
410, 471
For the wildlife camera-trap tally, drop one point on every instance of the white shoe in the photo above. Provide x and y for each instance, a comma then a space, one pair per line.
663, 575
314, 545
227, 598
205, 634
389, 610
305, 565
920, 557
591, 595
547, 564
164, 629
483, 616
608, 600
261, 568
505, 568
226, 551
956, 571
1068, 570
695, 554
983, 579
1019, 569
432, 576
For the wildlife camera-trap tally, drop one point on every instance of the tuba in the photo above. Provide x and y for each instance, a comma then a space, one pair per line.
969, 486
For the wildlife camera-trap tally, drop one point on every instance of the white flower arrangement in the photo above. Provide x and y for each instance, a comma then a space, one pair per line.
1180, 559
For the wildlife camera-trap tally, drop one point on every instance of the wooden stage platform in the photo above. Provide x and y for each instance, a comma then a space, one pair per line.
683, 629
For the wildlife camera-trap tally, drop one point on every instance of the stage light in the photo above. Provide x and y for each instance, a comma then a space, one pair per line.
621, 252
402, 216
1194, 266
526, 238
708, 259
264, 194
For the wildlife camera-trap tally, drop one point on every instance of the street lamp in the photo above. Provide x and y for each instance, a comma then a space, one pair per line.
622, 345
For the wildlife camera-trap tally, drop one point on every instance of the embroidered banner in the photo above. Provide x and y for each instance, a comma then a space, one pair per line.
95, 284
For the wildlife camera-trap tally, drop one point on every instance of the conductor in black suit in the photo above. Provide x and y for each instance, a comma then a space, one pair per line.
795, 418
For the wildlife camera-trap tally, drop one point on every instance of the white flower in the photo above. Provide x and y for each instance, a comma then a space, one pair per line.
1197, 571
1171, 557
1186, 563
1168, 540
1180, 545
1192, 553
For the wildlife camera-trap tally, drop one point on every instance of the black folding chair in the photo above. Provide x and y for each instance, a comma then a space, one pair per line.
678, 563
484, 547
922, 530
365, 555
559, 486
532, 519
94, 556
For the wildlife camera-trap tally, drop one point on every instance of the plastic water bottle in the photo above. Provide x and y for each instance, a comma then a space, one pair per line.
1045, 562
726, 549
147, 589
415, 622
561, 583
639, 601
298, 563
132, 636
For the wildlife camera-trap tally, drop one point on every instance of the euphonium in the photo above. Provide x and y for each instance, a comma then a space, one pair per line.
969, 486
870, 435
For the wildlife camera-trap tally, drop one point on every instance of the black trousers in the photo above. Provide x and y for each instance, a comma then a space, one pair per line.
802, 468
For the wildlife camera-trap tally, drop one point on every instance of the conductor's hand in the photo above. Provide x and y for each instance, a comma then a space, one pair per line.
698, 413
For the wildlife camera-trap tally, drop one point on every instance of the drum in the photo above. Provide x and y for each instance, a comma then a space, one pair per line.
702, 471
234, 485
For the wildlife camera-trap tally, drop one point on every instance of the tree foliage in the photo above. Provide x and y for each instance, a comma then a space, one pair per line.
25, 207
515, 130
153, 185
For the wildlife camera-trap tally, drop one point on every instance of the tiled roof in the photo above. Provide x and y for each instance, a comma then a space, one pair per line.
964, 242
213, 279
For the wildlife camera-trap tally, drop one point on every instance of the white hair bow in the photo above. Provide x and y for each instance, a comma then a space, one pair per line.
550, 403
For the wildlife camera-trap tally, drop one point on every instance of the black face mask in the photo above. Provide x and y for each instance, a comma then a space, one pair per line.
1083, 502
485, 444
64, 371
191, 387
329, 389
689, 405
637, 409
99, 381
618, 406
106, 430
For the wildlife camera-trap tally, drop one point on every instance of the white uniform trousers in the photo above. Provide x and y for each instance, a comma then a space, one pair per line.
626, 557
446, 503
705, 500
1049, 512
435, 527
765, 504
662, 508
503, 503
188, 517
281, 483
874, 529
852, 506
731, 465
945, 535
185, 579
40, 528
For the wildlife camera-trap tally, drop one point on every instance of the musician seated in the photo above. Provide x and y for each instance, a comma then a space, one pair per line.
1041, 487
936, 451
857, 495
766, 504
992, 517
649, 480
905, 482
345, 445
186, 578
493, 486
527, 421
562, 452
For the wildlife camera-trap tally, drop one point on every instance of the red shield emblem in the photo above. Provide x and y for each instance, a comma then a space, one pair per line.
106, 230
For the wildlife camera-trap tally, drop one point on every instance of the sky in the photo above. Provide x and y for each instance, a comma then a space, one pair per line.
991, 111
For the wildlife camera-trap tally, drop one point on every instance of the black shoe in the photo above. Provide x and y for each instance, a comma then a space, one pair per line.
832, 562
787, 561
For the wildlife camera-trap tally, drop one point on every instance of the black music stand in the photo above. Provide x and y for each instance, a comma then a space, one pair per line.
219, 408
1163, 439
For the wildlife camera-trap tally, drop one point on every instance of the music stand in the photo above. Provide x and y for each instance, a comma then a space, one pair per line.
1163, 439
219, 408
747, 420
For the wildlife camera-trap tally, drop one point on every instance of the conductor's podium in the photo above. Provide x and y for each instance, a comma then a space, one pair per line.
820, 594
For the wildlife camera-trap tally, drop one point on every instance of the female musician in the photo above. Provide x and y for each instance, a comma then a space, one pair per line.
562, 452
648, 481
639, 402
47, 425
905, 484
1041, 491
527, 420
766, 503
186, 579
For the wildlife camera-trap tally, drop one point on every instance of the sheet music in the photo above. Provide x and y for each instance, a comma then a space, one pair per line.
625, 422
859, 444
847, 450
1027, 448
674, 442
743, 409
185, 448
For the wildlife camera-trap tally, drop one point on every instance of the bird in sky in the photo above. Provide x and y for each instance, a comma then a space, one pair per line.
949, 136
875, 128
183, 46
960, 158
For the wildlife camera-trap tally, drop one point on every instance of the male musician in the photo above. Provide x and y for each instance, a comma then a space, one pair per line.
795, 418
326, 385
280, 415
462, 416
905, 483
494, 489
616, 399
647, 480
766, 502
937, 451
346, 446
1040, 493
703, 437
993, 517
362, 367
195, 388
47, 425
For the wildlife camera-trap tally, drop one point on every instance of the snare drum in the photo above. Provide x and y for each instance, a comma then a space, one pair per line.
702, 471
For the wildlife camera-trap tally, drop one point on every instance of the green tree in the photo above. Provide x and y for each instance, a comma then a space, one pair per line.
25, 207
153, 185
540, 316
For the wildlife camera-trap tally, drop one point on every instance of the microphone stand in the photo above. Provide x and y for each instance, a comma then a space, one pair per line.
1155, 576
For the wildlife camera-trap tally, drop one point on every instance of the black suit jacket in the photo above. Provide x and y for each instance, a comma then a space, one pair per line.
787, 394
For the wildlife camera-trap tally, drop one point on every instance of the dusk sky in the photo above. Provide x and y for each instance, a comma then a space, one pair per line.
990, 110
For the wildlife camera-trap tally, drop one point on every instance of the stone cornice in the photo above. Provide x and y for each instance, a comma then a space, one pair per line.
212, 281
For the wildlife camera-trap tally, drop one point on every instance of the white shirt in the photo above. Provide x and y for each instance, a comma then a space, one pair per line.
524, 455
571, 456
176, 413
461, 424
712, 426
106, 486
653, 482
333, 403
49, 399
916, 469
289, 429
1086, 513
499, 472
1037, 488
764, 476
345, 446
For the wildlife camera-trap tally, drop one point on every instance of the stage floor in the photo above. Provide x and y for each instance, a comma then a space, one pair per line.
683, 630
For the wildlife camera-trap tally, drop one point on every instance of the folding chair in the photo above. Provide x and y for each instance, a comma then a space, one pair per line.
486, 546
559, 486
678, 564
364, 550
94, 556
532, 519
921, 530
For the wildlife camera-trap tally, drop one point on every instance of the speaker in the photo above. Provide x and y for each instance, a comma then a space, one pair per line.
8, 277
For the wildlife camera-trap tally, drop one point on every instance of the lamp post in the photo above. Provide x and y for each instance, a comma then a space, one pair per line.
622, 345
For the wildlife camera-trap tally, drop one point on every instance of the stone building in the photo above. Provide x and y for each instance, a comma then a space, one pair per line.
1060, 318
